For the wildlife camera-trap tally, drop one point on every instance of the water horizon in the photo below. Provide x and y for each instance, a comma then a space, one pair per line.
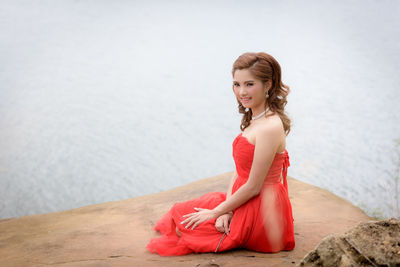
103, 101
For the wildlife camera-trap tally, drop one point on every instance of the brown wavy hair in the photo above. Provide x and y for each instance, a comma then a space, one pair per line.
264, 67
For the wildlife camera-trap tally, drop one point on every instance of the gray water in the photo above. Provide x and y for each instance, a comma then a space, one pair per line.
108, 100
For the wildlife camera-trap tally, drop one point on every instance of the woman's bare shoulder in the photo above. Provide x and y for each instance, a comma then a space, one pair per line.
271, 125
270, 130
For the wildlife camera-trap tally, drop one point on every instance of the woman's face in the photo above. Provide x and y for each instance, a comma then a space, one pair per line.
249, 91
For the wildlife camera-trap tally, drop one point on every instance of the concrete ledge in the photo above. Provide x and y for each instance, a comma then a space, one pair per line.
116, 233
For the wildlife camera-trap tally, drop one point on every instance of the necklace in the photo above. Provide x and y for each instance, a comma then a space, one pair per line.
259, 115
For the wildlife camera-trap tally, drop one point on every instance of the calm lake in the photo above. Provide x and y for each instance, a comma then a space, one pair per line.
108, 100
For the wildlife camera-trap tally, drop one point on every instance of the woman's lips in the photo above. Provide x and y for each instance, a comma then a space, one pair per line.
245, 99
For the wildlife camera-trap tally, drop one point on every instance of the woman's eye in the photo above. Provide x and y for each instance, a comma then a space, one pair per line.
249, 84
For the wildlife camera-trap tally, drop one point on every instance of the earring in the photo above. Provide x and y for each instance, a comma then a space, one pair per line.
266, 96
246, 109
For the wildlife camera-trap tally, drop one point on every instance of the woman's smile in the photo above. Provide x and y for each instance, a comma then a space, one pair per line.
245, 99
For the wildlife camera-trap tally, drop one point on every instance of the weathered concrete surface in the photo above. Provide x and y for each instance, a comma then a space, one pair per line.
116, 233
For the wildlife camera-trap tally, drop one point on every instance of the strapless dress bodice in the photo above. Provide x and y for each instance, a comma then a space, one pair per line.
243, 152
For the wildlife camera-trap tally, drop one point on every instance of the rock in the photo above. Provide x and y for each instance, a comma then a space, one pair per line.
116, 233
373, 243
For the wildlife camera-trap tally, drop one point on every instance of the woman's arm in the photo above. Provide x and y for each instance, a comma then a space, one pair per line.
267, 142
233, 179
222, 222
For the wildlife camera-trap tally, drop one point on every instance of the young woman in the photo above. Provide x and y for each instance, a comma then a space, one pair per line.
255, 213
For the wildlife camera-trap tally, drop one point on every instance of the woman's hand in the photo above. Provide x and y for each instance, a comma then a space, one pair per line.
197, 217
222, 222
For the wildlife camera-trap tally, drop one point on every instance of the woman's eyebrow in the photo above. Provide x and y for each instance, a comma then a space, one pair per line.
245, 81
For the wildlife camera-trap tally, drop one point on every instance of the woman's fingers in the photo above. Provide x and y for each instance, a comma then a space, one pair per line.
184, 221
192, 220
219, 226
187, 219
189, 214
220, 229
226, 226
222, 224
195, 224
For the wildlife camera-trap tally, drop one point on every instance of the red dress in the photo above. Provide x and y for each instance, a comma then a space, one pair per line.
264, 223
